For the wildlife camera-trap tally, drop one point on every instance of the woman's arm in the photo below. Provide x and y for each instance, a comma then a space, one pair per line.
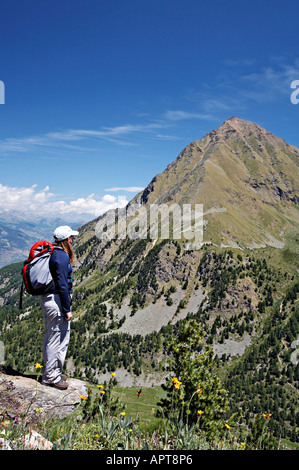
59, 266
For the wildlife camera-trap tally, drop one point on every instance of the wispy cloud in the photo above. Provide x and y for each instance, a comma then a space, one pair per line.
271, 82
116, 131
178, 115
69, 138
131, 189
167, 137
240, 83
243, 82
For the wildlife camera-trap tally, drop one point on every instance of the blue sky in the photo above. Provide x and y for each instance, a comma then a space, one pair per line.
104, 95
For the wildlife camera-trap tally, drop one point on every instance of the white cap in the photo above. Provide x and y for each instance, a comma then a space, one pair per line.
63, 232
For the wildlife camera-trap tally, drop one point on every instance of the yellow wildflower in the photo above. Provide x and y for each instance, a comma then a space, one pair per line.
38, 366
102, 392
199, 390
177, 383
267, 415
100, 386
200, 412
5, 423
82, 397
113, 374
227, 426
123, 413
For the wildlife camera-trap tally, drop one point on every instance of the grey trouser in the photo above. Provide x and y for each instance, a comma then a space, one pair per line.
56, 339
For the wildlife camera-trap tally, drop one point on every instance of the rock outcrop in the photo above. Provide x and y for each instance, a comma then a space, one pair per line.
26, 394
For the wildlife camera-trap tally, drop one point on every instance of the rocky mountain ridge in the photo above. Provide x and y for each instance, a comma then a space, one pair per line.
245, 177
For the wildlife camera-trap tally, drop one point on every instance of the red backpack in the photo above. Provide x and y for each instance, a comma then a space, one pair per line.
36, 274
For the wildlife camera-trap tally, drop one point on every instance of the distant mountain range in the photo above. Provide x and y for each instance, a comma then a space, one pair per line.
17, 235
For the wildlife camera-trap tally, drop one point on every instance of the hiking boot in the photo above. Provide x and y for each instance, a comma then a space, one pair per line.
61, 385
63, 377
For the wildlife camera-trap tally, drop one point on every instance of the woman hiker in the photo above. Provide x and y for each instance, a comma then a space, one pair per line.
57, 309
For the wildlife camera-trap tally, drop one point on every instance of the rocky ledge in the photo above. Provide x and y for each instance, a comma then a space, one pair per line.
26, 394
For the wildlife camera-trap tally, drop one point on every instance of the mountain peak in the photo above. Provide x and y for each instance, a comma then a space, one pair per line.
242, 126
245, 177
236, 127
234, 120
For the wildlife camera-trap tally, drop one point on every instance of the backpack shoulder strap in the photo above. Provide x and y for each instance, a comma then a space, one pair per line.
21, 296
